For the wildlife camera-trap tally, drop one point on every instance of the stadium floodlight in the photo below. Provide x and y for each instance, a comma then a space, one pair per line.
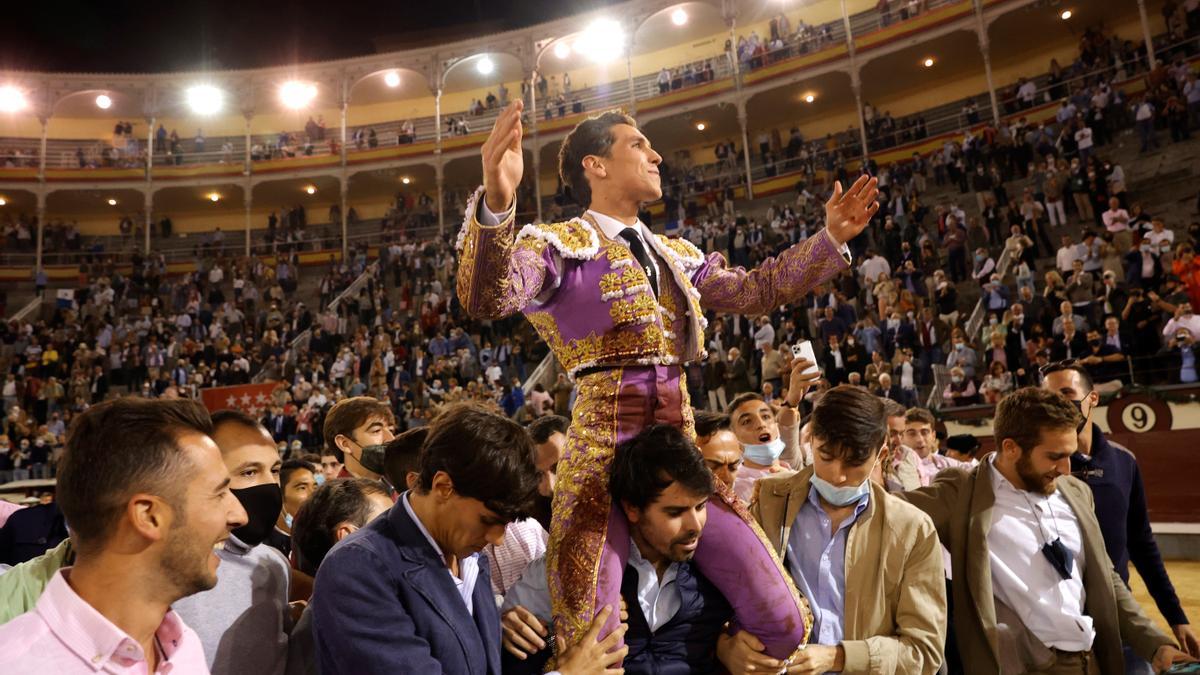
485, 66
103, 102
562, 50
296, 94
679, 16
603, 41
205, 99
12, 99
392, 79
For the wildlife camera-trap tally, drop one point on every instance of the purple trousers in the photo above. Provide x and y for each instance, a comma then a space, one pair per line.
589, 536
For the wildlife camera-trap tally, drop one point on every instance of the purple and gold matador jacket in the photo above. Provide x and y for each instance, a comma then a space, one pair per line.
591, 302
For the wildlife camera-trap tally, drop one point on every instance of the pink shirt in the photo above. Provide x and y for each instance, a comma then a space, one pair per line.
743, 483
63, 635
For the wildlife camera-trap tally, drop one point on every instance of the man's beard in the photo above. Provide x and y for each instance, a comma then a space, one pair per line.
542, 510
1033, 481
185, 563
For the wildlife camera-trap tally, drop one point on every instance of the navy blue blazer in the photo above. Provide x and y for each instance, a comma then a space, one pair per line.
384, 603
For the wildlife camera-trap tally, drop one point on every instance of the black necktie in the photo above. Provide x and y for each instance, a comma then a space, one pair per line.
639, 251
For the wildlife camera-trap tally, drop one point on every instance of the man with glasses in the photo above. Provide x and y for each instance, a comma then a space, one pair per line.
1112, 472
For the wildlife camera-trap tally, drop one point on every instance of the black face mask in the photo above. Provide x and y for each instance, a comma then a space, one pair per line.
372, 458
263, 504
1079, 406
1060, 557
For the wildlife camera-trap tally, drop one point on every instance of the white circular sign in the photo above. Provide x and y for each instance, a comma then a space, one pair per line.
1138, 417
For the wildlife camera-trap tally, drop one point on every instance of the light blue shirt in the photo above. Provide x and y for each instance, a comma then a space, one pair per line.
658, 600
468, 568
817, 560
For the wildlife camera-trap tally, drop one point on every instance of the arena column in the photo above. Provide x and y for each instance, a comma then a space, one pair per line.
41, 226
1147, 35
856, 83
41, 194
742, 122
985, 50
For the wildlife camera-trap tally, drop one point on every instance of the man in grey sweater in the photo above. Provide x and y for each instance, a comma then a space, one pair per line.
244, 621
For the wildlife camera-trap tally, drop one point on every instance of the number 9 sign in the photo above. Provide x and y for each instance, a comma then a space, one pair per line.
1139, 414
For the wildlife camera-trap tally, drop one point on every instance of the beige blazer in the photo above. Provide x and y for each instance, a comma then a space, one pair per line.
990, 638
895, 596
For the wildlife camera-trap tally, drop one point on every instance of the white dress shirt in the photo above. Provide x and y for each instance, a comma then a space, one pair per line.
1050, 607
659, 600
468, 567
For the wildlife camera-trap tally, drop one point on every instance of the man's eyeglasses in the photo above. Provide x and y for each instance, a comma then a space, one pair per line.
1065, 364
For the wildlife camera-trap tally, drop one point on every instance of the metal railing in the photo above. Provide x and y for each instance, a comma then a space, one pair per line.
301, 341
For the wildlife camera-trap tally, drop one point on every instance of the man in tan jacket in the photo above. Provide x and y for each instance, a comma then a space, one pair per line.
869, 564
1033, 588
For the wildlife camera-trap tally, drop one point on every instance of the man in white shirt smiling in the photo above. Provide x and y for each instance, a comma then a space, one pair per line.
1034, 590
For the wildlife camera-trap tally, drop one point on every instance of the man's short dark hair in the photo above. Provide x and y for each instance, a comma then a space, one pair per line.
349, 414
231, 416
1073, 366
488, 457
919, 415
341, 500
1024, 414
119, 448
892, 408
544, 427
290, 467
648, 463
709, 423
741, 399
402, 455
593, 136
851, 423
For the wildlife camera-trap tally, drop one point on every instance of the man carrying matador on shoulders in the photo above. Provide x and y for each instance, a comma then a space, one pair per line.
623, 310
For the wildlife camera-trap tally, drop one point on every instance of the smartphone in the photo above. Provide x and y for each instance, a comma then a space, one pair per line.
1183, 668
804, 350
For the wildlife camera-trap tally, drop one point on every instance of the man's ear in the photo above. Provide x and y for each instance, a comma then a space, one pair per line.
345, 445
632, 513
342, 530
443, 486
150, 516
593, 165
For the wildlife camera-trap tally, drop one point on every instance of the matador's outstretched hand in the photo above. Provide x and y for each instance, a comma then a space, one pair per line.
847, 213
503, 161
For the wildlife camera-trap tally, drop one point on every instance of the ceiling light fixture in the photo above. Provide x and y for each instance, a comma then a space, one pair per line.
392, 79
103, 102
205, 99
928, 63
562, 50
809, 98
700, 126
112, 202
406, 180
311, 189
1066, 14
297, 94
12, 99
679, 17
485, 66
602, 41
